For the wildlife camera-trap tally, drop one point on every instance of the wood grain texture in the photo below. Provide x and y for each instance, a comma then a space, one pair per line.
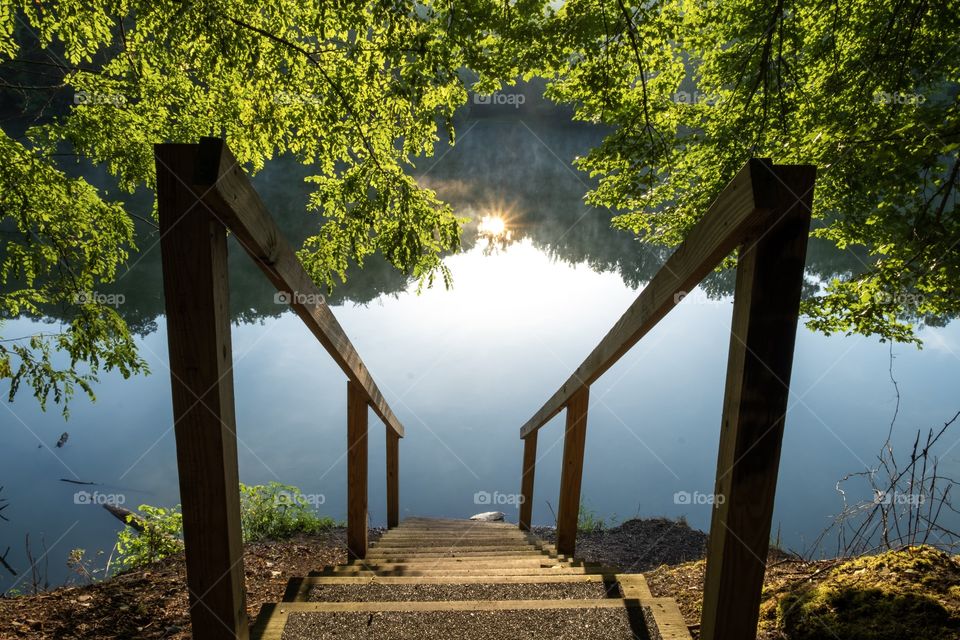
738, 208
393, 478
571, 475
227, 190
528, 473
194, 256
356, 471
763, 332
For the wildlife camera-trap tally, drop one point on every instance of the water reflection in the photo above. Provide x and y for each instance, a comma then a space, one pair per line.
513, 178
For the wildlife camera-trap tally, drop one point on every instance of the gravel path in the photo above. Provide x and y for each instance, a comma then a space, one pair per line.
438, 592
527, 624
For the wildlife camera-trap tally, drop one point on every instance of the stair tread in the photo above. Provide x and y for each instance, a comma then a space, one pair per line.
604, 619
456, 578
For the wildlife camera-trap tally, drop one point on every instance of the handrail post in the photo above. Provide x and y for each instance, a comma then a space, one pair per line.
568, 509
526, 480
393, 471
766, 306
357, 413
194, 256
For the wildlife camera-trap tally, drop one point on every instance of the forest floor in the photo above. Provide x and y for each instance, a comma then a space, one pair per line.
911, 593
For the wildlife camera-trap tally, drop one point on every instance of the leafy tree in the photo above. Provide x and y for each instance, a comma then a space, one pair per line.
355, 90
866, 91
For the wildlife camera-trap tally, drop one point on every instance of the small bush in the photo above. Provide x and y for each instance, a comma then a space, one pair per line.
272, 511
276, 511
162, 535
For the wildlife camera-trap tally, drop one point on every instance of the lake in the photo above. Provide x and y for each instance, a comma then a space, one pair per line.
538, 284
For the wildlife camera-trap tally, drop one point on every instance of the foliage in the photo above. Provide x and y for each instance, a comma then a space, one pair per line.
88, 569
162, 535
588, 521
867, 92
909, 593
276, 511
271, 511
355, 92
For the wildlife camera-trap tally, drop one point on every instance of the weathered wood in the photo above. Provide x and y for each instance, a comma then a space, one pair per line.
194, 256
356, 471
571, 475
227, 191
765, 310
528, 474
393, 479
738, 208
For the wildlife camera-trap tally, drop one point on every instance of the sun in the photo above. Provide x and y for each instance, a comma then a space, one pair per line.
492, 225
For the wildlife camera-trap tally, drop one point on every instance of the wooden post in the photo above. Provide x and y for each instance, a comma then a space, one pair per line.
766, 306
393, 470
194, 255
526, 480
568, 510
357, 405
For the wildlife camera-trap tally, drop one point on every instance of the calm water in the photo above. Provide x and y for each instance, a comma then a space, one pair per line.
464, 368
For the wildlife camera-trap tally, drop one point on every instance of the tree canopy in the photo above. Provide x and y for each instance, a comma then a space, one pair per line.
361, 91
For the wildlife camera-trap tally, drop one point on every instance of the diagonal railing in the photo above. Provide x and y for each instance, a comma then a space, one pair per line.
202, 193
764, 213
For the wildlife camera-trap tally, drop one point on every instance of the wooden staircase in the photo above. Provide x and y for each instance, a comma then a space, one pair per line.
432, 578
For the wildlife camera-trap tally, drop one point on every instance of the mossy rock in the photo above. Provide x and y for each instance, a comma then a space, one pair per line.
910, 593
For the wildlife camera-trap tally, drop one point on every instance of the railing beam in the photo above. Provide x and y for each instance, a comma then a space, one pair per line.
227, 190
526, 481
193, 246
574, 439
737, 210
393, 471
357, 416
766, 305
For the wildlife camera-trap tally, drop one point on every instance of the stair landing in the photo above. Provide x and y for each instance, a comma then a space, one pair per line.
435, 578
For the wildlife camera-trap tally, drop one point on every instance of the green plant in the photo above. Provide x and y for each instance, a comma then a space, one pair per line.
588, 521
151, 535
270, 511
278, 510
86, 568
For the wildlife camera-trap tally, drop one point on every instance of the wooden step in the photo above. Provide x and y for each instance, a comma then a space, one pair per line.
364, 591
451, 553
444, 563
458, 571
297, 586
562, 619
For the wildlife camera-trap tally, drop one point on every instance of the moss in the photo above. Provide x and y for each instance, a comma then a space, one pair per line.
909, 593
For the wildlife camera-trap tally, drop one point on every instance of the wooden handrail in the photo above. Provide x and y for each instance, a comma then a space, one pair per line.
738, 208
224, 187
765, 213
201, 194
